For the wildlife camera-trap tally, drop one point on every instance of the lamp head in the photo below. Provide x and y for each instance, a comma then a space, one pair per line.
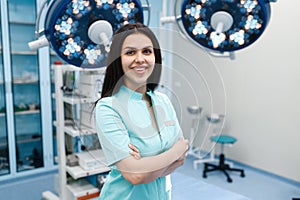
80, 31
225, 25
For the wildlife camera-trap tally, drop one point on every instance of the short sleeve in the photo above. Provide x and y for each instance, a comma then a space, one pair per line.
111, 131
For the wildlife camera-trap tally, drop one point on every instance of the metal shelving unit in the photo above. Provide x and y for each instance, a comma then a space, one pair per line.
78, 186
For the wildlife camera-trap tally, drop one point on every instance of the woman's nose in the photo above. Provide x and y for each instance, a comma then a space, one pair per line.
139, 57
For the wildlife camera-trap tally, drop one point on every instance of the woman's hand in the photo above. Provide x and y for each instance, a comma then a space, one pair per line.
180, 148
183, 156
179, 162
140, 170
135, 152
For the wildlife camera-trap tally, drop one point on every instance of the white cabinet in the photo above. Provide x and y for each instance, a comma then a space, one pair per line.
71, 107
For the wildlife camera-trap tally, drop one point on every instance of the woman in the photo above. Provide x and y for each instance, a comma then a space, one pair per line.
130, 111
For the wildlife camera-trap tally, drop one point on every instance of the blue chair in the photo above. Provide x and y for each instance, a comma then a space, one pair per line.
222, 166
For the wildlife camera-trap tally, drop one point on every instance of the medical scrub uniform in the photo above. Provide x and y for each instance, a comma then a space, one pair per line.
124, 118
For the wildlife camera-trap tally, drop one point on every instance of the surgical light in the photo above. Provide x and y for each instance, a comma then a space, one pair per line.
80, 31
222, 25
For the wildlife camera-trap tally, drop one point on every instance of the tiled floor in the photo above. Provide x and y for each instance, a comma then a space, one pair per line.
186, 187
188, 184
255, 186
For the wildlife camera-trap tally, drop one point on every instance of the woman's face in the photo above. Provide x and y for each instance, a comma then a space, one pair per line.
137, 57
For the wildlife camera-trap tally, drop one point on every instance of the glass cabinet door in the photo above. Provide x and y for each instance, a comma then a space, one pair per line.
25, 85
4, 159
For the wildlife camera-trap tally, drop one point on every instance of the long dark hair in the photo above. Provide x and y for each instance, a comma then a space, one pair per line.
114, 73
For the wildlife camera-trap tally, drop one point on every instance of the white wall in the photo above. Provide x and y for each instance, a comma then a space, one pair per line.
262, 92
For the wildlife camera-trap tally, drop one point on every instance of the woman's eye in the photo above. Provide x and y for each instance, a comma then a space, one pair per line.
130, 52
147, 51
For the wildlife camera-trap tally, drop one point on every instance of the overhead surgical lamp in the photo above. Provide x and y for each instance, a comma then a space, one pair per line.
222, 25
80, 31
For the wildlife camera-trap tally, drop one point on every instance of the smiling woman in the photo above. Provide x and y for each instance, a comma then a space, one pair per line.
137, 126
137, 61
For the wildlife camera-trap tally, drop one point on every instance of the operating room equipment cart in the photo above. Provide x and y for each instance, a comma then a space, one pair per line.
71, 182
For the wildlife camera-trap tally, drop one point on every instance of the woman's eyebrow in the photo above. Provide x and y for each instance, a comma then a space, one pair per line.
129, 47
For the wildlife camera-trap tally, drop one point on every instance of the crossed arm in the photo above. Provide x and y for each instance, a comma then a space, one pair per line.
138, 170
141, 170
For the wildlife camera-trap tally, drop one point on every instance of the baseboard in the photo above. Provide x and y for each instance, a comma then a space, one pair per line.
276, 176
264, 172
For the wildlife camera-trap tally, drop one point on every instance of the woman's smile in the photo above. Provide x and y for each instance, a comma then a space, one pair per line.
140, 69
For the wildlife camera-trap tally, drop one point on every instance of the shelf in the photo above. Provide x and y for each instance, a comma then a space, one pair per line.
21, 139
78, 188
77, 171
27, 112
76, 132
22, 82
75, 99
25, 82
22, 23
47, 195
90, 163
67, 67
25, 53
82, 189
79, 132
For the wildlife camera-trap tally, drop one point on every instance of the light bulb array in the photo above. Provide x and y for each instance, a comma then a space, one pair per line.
250, 18
67, 23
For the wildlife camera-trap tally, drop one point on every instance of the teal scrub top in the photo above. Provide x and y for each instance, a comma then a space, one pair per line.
124, 118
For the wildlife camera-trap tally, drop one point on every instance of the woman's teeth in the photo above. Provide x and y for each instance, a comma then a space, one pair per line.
139, 68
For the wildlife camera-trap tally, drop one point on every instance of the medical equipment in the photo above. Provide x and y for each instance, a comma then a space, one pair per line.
221, 25
90, 83
80, 31
195, 111
91, 160
215, 126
